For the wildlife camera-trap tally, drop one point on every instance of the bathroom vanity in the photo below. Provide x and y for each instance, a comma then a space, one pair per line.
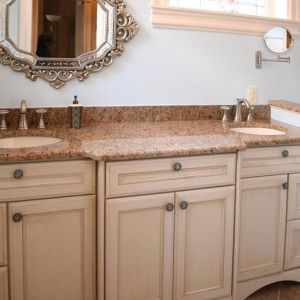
166, 226
194, 211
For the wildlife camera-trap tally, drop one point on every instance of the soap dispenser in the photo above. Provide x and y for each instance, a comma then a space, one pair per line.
75, 114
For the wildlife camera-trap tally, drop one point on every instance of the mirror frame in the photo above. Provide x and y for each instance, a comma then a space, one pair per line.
276, 53
57, 71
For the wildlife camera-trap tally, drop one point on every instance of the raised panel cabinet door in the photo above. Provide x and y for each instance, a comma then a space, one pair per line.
294, 197
52, 249
139, 248
262, 218
292, 251
3, 284
204, 226
3, 235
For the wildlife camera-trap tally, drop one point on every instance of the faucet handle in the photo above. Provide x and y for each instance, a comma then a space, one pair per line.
225, 109
41, 112
3, 113
250, 114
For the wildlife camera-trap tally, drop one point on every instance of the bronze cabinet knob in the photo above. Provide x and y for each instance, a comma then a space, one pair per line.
285, 153
285, 186
17, 217
18, 174
184, 205
170, 207
177, 167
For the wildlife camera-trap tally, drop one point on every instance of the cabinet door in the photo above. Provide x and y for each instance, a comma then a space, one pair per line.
3, 234
52, 249
139, 248
262, 215
292, 251
204, 243
294, 197
3, 284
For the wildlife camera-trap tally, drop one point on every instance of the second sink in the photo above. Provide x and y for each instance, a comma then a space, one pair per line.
27, 142
258, 131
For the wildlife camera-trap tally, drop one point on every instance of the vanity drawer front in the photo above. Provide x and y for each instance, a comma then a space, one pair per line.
3, 235
270, 161
3, 284
46, 180
160, 175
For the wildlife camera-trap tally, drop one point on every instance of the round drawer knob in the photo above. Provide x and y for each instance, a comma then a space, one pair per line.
184, 205
170, 207
177, 167
285, 186
18, 174
17, 217
285, 153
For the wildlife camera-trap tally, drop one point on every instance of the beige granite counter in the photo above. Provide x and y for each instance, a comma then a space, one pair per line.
287, 105
110, 141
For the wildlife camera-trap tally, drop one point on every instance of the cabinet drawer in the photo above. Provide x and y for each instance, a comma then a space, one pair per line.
292, 251
3, 235
159, 175
46, 179
270, 161
3, 284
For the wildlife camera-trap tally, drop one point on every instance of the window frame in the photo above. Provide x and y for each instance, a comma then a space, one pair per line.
166, 16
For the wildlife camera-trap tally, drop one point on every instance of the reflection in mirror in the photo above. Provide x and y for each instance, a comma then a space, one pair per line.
278, 40
57, 28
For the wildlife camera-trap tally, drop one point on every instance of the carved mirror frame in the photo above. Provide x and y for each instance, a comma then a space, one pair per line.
57, 71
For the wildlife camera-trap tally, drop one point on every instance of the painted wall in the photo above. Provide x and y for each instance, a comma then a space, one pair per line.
165, 66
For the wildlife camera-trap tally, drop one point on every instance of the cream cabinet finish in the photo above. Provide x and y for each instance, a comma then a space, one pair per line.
262, 218
294, 197
292, 252
269, 161
47, 180
204, 244
150, 176
139, 248
3, 284
52, 249
3, 235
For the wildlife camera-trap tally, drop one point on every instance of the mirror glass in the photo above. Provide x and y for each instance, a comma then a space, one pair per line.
57, 28
278, 40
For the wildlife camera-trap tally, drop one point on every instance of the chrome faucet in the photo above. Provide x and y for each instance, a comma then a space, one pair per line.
23, 124
238, 112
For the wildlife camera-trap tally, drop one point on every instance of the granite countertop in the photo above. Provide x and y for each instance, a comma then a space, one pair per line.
287, 105
111, 141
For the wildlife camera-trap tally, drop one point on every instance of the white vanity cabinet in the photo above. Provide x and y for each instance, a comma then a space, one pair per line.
51, 221
267, 218
172, 245
262, 213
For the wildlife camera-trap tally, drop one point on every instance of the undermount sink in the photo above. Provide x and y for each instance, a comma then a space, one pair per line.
27, 142
258, 131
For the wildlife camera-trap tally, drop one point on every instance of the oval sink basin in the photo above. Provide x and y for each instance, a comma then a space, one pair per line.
27, 142
257, 131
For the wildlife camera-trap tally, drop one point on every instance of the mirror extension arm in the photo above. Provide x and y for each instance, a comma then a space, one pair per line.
259, 59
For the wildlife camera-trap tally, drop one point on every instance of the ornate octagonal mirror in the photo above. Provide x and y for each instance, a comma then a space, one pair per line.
59, 40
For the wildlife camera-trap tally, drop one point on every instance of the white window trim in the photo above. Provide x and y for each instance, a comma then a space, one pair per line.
166, 16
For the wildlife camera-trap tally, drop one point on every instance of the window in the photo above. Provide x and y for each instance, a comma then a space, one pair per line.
244, 16
264, 8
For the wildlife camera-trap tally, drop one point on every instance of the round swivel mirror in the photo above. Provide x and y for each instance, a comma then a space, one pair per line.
278, 40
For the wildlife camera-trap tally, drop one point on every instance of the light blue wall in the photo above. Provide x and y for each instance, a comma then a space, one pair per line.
165, 66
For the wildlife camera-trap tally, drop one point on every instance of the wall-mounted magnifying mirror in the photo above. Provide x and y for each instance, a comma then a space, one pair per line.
278, 40
59, 40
